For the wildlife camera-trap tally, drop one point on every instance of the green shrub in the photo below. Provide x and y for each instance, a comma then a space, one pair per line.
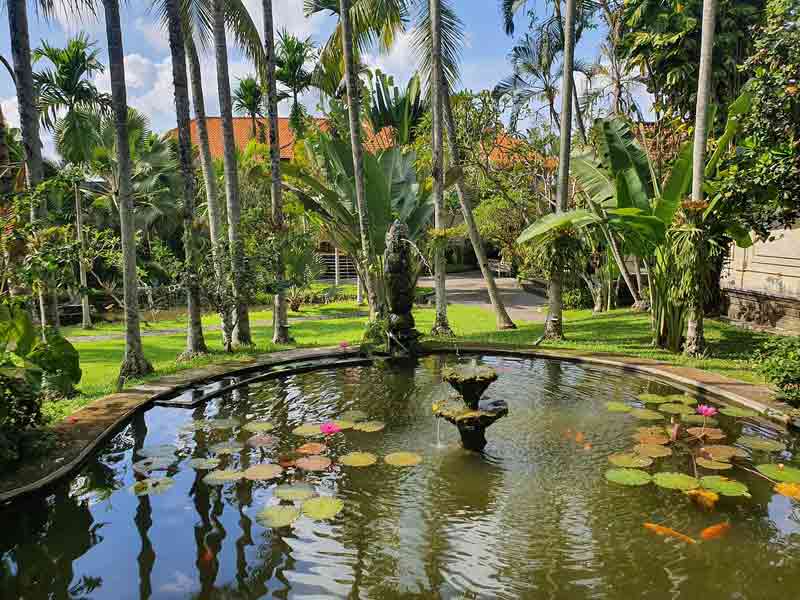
20, 411
778, 360
577, 297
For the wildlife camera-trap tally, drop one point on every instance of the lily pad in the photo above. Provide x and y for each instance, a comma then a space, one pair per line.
724, 486
402, 459
790, 490
203, 464
369, 426
322, 508
628, 477
147, 487
619, 407
295, 492
675, 481
228, 423
162, 450
630, 460
222, 476
780, 473
653, 398
313, 463
652, 450
198, 425
263, 472
659, 439
760, 443
358, 459
706, 433
735, 411
258, 426
289, 460
226, 448
675, 408
699, 420
645, 414
307, 430
353, 415
344, 424
262, 441
312, 448
714, 465
276, 517
682, 399
722, 452
153, 463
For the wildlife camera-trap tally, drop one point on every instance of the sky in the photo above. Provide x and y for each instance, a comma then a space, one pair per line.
148, 70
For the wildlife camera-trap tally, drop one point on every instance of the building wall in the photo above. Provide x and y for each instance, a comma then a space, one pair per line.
762, 283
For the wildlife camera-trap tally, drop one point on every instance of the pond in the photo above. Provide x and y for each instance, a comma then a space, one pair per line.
534, 516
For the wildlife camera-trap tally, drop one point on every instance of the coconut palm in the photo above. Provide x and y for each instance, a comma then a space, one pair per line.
291, 56
68, 105
248, 99
695, 342
134, 363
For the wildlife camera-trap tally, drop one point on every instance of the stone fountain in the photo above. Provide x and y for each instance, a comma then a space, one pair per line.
465, 409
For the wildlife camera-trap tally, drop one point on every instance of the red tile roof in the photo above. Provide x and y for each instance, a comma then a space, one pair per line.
242, 133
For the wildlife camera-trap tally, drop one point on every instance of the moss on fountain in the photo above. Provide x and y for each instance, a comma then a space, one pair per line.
470, 381
471, 422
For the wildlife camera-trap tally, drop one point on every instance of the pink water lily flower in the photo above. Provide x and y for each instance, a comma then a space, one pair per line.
329, 428
344, 345
706, 410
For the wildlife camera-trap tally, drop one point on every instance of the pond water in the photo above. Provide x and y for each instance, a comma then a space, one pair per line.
533, 517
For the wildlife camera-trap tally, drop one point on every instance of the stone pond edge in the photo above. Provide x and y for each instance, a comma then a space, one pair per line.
756, 397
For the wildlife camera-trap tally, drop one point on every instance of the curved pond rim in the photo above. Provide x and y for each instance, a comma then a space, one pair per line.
156, 391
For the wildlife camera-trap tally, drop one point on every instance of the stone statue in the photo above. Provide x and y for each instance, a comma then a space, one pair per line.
400, 288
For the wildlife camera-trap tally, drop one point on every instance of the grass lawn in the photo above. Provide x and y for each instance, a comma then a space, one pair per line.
618, 331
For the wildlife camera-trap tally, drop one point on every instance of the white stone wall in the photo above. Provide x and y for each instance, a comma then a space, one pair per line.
767, 267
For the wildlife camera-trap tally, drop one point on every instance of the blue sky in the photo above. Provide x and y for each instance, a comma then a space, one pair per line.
148, 65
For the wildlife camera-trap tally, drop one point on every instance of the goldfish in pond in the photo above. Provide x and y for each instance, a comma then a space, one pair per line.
703, 498
667, 532
715, 531
580, 438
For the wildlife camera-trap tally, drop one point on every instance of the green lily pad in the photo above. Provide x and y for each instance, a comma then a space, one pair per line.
307, 430
653, 398
353, 415
313, 463
322, 508
714, 465
675, 481
161, 450
226, 448
258, 427
682, 399
722, 452
760, 443
780, 473
344, 424
628, 476
735, 411
402, 459
630, 460
194, 426
294, 492
263, 472
228, 423
203, 464
724, 486
699, 420
645, 414
676, 408
358, 459
619, 407
147, 487
652, 450
153, 463
221, 477
369, 426
261, 440
276, 517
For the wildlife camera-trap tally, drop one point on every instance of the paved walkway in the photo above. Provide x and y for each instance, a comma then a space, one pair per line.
469, 288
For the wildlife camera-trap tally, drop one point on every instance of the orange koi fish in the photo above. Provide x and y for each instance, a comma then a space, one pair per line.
580, 438
715, 531
667, 532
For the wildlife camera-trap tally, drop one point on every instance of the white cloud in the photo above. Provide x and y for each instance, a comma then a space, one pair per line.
10, 108
73, 22
153, 32
288, 14
400, 62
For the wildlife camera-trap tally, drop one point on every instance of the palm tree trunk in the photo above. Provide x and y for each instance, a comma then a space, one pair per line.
502, 319
134, 363
241, 332
441, 326
206, 162
554, 325
195, 342
353, 108
280, 327
695, 340
86, 315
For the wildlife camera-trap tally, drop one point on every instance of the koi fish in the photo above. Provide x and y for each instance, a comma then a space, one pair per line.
703, 498
667, 532
580, 438
715, 531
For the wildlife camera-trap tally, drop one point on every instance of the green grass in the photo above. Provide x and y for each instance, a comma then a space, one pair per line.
619, 331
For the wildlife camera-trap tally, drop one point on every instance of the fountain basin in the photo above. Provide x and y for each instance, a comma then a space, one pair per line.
471, 381
471, 422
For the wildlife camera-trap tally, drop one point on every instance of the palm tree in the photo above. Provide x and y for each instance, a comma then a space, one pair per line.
695, 341
291, 56
195, 343
67, 89
280, 329
248, 99
134, 363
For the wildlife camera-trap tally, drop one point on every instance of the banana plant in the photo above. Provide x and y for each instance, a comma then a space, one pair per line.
391, 107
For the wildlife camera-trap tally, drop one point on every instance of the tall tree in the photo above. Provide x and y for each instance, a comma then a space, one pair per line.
441, 326
195, 342
291, 56
241, 331
248, 99
69, 103
134, 363
695, 340
280, 329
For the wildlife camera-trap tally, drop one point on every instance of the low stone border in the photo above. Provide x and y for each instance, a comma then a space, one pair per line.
95, 423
